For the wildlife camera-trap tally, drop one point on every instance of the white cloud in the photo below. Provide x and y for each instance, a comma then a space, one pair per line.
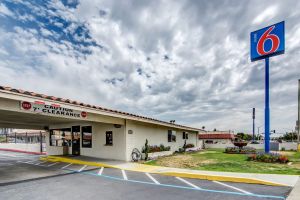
5, 11
266, 15
167, 60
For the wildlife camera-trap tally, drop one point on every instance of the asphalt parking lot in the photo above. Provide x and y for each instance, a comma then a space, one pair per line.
24, 176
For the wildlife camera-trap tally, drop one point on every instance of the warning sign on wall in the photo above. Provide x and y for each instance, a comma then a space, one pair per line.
53, 109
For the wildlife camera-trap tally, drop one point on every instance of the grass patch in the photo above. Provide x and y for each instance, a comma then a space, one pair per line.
216, 160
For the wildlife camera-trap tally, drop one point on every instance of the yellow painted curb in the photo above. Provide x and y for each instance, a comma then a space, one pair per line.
152, 169
74, 161
221, 178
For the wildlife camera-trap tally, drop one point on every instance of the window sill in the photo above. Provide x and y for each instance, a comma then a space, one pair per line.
108, 145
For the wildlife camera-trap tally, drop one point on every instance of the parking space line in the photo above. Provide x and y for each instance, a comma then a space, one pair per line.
40, 163
30, 162
100, 171
124, 174
82, 168
51, 164
153, 179
66, 166
232, 187
190, 184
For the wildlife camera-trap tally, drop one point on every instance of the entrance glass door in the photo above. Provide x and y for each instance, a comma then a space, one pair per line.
76, 140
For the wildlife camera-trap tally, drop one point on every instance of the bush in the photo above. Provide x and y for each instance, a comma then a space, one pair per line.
237, 150
155, 148
189, 146
268, 158
181, 150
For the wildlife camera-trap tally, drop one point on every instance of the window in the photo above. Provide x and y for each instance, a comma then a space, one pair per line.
60, 137
109, 138
185, 135
171, 136
87, 136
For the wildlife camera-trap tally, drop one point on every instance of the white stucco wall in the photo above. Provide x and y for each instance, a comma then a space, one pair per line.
156, 135
124, 143
22, 147
99, 149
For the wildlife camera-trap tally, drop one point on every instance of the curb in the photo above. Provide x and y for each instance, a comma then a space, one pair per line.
21, 151
168, 173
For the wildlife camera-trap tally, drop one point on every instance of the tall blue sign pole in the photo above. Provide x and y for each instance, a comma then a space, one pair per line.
267, 106
264, 43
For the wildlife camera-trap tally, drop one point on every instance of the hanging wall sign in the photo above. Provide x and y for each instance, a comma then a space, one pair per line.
53, 109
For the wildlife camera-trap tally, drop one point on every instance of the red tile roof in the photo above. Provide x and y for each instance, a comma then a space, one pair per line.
58, 99
216, 136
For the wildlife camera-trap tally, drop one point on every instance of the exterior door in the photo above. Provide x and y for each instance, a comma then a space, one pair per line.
76, 140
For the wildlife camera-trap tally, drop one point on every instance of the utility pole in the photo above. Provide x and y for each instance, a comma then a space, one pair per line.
253, 125
298, 122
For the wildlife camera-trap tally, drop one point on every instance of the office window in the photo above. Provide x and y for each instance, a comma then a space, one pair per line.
87, 136
109, 138
60, 137
185, 135
171, 136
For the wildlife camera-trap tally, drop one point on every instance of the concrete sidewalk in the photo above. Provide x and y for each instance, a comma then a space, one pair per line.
266, 179
295, 194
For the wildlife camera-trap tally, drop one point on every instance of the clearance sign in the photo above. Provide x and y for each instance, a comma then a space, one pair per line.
53, 109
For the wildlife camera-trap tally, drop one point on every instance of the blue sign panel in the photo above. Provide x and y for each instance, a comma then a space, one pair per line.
267, 42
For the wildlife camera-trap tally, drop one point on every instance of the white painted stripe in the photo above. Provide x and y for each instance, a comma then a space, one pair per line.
8, 155
191, 184
51, 164
100, 171
40, 162
153, 179
124, 174
232, 187
30, 162
82, 168
43, 162
66, 166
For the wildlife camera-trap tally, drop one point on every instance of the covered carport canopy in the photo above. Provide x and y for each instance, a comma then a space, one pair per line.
29, 110
12, 119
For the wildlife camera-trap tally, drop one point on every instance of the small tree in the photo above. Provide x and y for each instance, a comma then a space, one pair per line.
146, 149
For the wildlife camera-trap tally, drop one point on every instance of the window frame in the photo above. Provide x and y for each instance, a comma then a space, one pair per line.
171, 136
84, 134
109, 141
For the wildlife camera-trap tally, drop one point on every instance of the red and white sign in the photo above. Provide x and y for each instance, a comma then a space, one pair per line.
53, 109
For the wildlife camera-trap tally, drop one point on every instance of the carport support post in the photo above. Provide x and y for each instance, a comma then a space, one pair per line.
41, 142
267, 107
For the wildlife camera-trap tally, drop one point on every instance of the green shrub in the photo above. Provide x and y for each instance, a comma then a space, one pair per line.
237, 150
268, 158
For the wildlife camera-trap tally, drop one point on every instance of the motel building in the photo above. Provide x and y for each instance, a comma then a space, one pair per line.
83, 129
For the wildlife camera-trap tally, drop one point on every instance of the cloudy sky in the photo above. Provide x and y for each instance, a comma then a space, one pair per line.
182, 60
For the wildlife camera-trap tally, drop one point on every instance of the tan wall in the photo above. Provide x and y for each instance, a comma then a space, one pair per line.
22, 147
99, 149
156, 135
124, 143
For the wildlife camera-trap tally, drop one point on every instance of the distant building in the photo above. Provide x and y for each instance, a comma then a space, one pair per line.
217, 137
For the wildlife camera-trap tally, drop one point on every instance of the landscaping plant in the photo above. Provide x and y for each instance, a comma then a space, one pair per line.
268, 158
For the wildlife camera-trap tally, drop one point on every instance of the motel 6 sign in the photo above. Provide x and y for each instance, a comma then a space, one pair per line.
264, 43
267, 42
